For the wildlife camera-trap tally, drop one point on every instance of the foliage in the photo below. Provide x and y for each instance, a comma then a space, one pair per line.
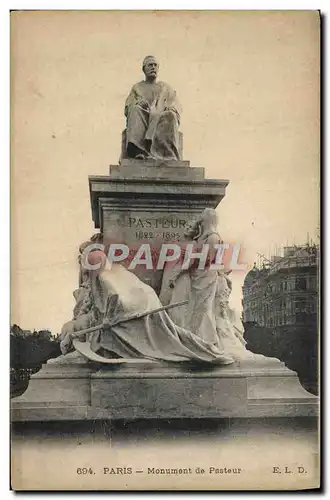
296, 346
28, 351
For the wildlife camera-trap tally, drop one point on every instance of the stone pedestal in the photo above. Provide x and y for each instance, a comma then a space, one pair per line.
137, 390
149, 201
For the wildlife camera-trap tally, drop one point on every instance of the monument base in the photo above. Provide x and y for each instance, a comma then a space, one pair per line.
81, 391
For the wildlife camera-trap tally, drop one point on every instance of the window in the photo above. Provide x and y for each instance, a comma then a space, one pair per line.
301, 305
312, 283
301, 317
301, 284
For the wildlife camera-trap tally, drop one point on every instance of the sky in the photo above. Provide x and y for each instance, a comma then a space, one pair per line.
248, 83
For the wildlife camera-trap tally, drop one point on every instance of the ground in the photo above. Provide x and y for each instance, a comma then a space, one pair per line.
273, 453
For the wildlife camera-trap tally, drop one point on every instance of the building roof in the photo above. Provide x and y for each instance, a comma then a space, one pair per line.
294, 257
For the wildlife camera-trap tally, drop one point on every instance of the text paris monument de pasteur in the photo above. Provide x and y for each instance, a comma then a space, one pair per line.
144, 356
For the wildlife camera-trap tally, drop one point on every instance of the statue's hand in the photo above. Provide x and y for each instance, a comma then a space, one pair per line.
171, 108
143, 104
107, 323
171, 284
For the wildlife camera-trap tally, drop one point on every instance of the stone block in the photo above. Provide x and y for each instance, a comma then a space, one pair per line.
144, 203
168, 398
138, 171
131, 162
164, 390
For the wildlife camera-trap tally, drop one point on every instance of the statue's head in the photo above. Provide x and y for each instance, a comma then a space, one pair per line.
209, 218
98, 259
96, 238
192, 229
150, 67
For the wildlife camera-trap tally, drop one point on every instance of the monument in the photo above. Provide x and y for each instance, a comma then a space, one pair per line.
125, 354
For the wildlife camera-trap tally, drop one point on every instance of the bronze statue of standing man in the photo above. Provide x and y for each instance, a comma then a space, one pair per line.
153, 117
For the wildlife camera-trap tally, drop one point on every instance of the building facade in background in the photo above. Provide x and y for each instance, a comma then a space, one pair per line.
283, 291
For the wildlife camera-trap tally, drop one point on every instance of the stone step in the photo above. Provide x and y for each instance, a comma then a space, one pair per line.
164, 171
159, 390
154, 163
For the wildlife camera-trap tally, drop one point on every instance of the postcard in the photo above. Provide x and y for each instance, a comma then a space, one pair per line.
165, 186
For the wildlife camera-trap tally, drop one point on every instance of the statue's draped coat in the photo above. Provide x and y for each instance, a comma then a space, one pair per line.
162, 131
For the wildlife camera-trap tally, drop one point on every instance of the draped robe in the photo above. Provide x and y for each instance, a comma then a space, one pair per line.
230, 339
154, 336
118, 294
